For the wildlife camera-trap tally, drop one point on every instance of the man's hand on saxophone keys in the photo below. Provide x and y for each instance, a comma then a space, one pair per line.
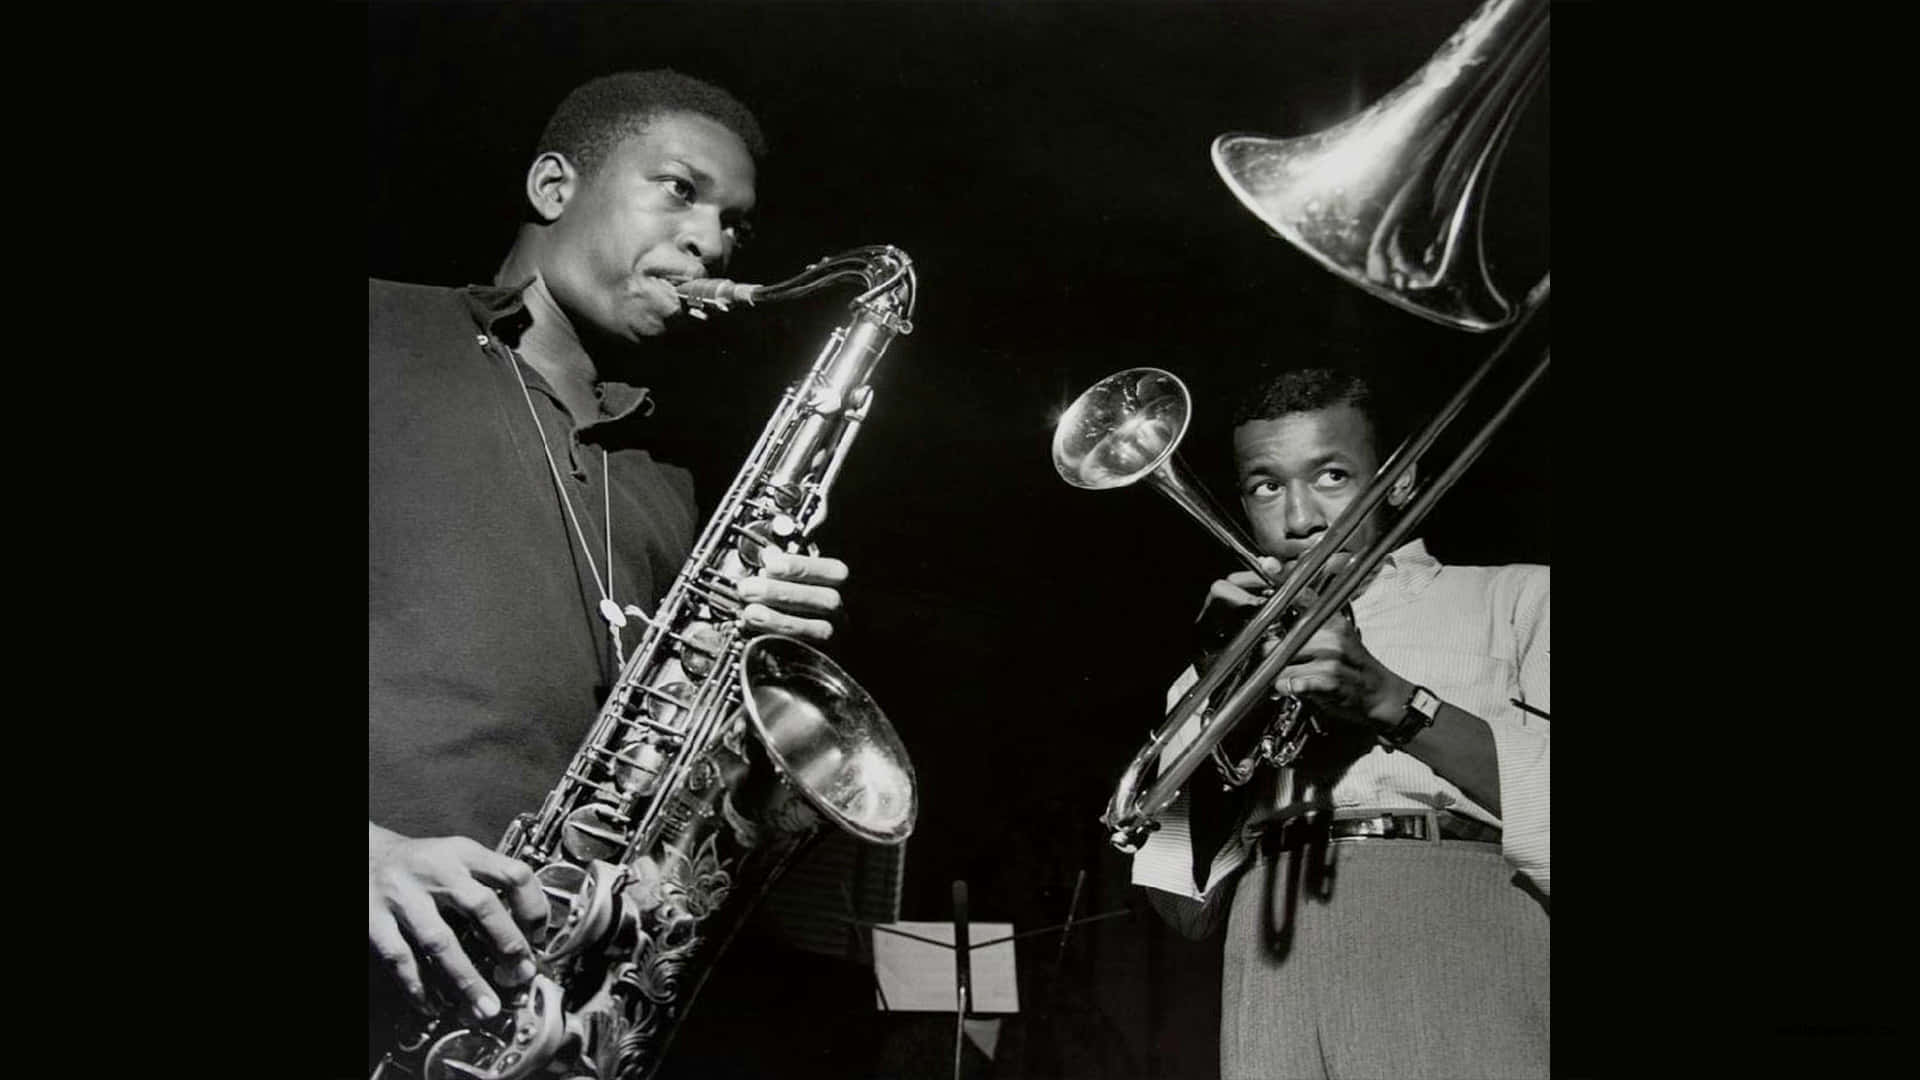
795, 595
412, 883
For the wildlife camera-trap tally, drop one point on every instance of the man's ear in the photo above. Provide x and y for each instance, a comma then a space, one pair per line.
1403, 487
551, 182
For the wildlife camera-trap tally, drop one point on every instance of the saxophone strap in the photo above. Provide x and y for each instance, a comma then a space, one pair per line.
609, 609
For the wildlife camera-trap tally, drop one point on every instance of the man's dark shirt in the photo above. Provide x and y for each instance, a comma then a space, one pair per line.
487, 656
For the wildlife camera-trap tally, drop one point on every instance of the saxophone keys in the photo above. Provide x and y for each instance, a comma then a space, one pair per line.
594, 831
581, 910
699, 647
519, 1046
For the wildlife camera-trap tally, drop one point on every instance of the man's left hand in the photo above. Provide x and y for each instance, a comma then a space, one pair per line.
795, 595
1336, 675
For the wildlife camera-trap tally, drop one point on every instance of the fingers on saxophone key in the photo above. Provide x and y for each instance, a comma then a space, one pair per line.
790, 596
807, 569
508, 944
384, 935
763, 618
520, 889
439, 946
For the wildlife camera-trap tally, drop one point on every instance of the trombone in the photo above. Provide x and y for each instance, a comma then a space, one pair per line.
1391, 200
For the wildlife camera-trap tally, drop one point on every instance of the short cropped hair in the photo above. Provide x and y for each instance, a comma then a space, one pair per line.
597, 115
1310, 389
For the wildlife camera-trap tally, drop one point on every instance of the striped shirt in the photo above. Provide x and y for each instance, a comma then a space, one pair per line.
1479, 637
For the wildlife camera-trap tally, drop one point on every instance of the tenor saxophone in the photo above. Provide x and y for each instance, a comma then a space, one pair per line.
716, 757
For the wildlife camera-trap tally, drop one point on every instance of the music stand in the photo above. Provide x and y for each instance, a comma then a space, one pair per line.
1003, 989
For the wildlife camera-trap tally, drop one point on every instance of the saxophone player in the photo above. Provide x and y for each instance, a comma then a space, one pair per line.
1386, 895
515, 513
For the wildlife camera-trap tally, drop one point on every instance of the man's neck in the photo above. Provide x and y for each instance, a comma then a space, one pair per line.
552, 347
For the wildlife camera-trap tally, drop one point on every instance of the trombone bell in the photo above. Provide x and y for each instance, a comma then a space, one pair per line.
1123, 428
1390, 199
1126, 428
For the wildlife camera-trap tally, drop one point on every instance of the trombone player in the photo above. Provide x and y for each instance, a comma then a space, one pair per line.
1386, 895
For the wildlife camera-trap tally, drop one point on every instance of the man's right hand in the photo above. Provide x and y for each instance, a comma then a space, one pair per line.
411, 883
1231, 601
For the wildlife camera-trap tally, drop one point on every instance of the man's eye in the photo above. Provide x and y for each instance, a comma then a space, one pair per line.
679, 187
1263, 489
1334, 477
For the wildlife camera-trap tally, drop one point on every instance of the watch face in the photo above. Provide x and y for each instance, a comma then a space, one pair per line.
1424, 702
1421, 710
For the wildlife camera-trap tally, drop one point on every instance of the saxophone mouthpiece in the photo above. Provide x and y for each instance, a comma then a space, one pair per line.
717, 293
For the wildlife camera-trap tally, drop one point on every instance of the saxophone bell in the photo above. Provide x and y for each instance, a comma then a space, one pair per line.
822, 729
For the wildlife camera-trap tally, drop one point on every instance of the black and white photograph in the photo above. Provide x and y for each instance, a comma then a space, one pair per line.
916, 539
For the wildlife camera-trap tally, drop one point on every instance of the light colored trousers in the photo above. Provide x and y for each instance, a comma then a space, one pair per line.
1401, 960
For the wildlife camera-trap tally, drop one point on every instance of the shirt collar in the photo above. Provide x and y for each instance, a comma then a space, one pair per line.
1402, 575
501, 310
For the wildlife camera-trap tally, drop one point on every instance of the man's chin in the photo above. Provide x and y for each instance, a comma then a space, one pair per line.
619, 335
641, 327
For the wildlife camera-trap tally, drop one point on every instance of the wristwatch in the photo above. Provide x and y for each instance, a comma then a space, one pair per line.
1423, 708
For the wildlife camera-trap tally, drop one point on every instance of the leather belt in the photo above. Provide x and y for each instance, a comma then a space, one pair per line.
1433, 826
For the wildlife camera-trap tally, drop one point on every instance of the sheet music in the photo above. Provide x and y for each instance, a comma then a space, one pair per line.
917, 976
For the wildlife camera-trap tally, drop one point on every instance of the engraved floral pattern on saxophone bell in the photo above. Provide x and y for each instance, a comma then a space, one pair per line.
601, 1024
649, 986
694, 886
690, 890
634, 1051
629, 1046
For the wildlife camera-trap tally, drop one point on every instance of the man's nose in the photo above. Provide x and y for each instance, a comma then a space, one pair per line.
703, 238
1303, 516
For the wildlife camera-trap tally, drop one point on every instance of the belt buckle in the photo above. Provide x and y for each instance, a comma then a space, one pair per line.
1372, 828
1391, 827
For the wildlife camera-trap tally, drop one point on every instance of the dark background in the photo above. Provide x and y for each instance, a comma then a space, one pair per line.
1046, 166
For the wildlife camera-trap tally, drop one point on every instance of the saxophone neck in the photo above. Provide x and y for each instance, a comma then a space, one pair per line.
883, 272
